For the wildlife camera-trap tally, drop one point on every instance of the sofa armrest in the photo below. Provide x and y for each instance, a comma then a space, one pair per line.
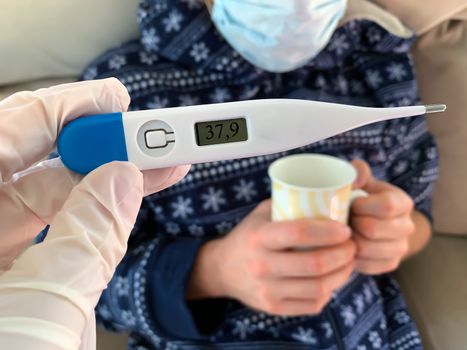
435, 286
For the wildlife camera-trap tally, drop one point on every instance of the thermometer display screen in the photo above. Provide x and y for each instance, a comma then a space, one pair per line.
221, 131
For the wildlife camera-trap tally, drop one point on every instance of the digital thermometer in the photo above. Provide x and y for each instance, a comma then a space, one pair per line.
167, 137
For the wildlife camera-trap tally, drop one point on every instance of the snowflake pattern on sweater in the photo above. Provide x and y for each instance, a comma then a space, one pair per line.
180, 60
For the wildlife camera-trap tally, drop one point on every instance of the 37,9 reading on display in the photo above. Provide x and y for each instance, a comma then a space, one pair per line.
221, 131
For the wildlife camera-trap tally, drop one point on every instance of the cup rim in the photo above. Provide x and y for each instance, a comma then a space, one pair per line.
313, 155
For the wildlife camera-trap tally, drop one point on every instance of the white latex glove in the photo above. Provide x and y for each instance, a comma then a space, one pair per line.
50, 292
29, 125
52, 288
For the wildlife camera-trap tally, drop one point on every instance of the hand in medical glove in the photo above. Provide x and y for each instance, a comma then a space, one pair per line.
29, 125
50, 292
259, 264
383, 223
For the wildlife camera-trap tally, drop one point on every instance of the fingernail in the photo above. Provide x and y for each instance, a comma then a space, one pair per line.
346, 230
357, 183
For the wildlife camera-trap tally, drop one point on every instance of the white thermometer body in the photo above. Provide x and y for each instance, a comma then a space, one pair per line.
187, 135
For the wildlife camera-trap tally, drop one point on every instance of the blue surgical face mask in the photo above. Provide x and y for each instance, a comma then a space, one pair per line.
278, 35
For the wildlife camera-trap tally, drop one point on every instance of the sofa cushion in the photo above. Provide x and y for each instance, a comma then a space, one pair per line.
53, 38
441, 64
107, 340
364, 9
423, 15
435, 288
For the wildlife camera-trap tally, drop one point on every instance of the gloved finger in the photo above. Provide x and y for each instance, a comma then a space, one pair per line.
28, 202
30, 121
32, 198
86, 240
41, 190
44, 187
158, 179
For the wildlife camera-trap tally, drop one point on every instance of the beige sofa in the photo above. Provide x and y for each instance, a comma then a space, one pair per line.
50, 42
434, 282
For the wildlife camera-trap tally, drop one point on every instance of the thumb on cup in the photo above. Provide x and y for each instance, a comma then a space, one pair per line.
364, 174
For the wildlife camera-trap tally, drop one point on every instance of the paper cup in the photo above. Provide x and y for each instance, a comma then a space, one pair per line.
312, 186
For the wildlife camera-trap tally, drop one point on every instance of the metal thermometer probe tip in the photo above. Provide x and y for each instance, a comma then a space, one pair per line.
435, 108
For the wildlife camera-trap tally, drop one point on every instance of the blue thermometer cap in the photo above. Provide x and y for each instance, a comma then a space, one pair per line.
86, 143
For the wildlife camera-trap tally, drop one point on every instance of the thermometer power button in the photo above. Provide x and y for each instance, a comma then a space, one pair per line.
158, 138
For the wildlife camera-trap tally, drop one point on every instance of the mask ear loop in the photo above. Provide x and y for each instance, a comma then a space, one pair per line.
209, 4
